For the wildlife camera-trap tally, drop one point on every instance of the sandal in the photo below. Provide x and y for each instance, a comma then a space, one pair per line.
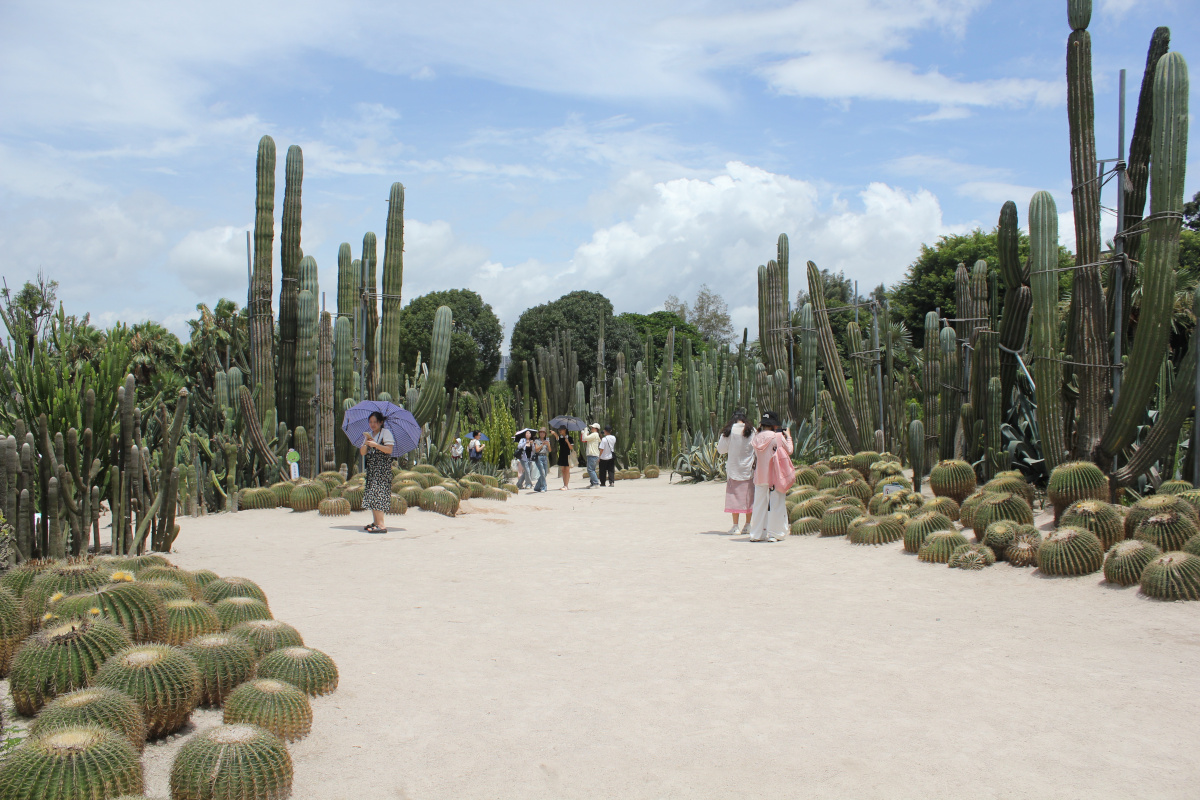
373, 528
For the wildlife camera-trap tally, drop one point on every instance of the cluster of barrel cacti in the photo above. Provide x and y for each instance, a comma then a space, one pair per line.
116, 651
1155, 545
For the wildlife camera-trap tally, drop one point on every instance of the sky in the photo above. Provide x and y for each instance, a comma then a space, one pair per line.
630, 148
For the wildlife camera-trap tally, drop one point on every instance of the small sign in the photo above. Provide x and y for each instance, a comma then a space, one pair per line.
293, 457
892, 488
295, 471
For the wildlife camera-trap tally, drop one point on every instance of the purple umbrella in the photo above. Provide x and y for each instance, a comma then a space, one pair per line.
402, 424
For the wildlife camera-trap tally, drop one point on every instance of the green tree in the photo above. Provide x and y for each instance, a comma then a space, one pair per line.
929, 283
474, 343
657, 324
27, 312
1191, 213
708, 314
581, 313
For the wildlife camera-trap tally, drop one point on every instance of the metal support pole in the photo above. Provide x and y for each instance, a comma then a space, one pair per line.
1120, 261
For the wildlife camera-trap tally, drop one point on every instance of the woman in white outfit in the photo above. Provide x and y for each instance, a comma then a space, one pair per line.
735, 443
768, 521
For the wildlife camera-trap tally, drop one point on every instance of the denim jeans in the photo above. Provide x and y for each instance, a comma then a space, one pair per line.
543, 462
526, 479
592, 462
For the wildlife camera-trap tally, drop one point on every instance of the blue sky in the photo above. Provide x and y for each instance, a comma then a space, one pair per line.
629, 148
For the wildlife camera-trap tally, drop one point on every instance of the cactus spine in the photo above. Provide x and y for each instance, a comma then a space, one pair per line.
262, 324
289, 286
1161, 254
1047, 369
393, 283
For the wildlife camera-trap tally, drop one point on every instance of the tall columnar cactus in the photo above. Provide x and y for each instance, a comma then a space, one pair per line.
860, 372
1017, 299
1161, 255
931, 379
951, 397
343, 376
835, 377
993, 437
1138, 174
289, 286
807, 391
1047, 366
425, 402
306, 359
325, 404
262, 323
1087, 320
772, 316
393, 283
348, 285
1164, 433
369, 366
916, 451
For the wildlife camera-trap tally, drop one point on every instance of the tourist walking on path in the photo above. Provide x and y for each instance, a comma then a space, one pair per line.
735, 443
564, 447
377, 447
608, 463
591, 440
768, 520
475, 448
541, 454
527, 461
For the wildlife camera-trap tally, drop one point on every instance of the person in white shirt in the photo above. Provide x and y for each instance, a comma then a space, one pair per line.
736, 443
608, 463
456, 450
591, 441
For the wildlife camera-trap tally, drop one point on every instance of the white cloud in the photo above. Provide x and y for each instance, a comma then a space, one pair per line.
691, 231
210, 262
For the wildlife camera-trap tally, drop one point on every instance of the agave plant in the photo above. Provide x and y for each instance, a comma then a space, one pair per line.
700, 462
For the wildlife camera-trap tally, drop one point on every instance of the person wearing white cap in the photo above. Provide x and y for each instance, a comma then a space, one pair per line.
591, 439
456, 450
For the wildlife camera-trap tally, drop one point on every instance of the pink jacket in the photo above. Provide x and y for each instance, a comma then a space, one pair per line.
763, 441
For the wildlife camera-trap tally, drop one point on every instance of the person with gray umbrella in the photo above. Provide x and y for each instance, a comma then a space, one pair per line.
377, 446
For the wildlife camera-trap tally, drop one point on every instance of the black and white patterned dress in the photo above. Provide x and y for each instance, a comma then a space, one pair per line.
378, 494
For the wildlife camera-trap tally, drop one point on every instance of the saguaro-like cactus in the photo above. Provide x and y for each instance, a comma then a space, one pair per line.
1161, 254
1047, 367
262, 323
807, 390
289, 286
393, 282
931, 374
950, 400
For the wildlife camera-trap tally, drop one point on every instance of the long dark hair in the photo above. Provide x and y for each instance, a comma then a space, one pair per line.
738, 416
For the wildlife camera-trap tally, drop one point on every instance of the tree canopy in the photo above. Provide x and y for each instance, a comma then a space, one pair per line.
657, 324
474, 343
580, 313
708, 314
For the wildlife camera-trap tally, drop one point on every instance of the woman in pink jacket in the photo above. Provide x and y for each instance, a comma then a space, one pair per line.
768, 520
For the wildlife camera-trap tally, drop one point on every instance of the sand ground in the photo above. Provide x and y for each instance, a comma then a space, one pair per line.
614, 644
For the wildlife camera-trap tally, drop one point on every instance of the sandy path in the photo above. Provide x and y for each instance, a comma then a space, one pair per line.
612, 644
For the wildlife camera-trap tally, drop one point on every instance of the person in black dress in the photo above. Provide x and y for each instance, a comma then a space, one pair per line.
565, 447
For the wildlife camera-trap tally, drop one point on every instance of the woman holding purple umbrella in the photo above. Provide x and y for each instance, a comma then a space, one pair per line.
377, 446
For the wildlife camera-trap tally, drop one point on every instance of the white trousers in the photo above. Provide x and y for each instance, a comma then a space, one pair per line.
769, 518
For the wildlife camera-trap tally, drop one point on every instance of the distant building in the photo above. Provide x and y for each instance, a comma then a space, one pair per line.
505, 361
